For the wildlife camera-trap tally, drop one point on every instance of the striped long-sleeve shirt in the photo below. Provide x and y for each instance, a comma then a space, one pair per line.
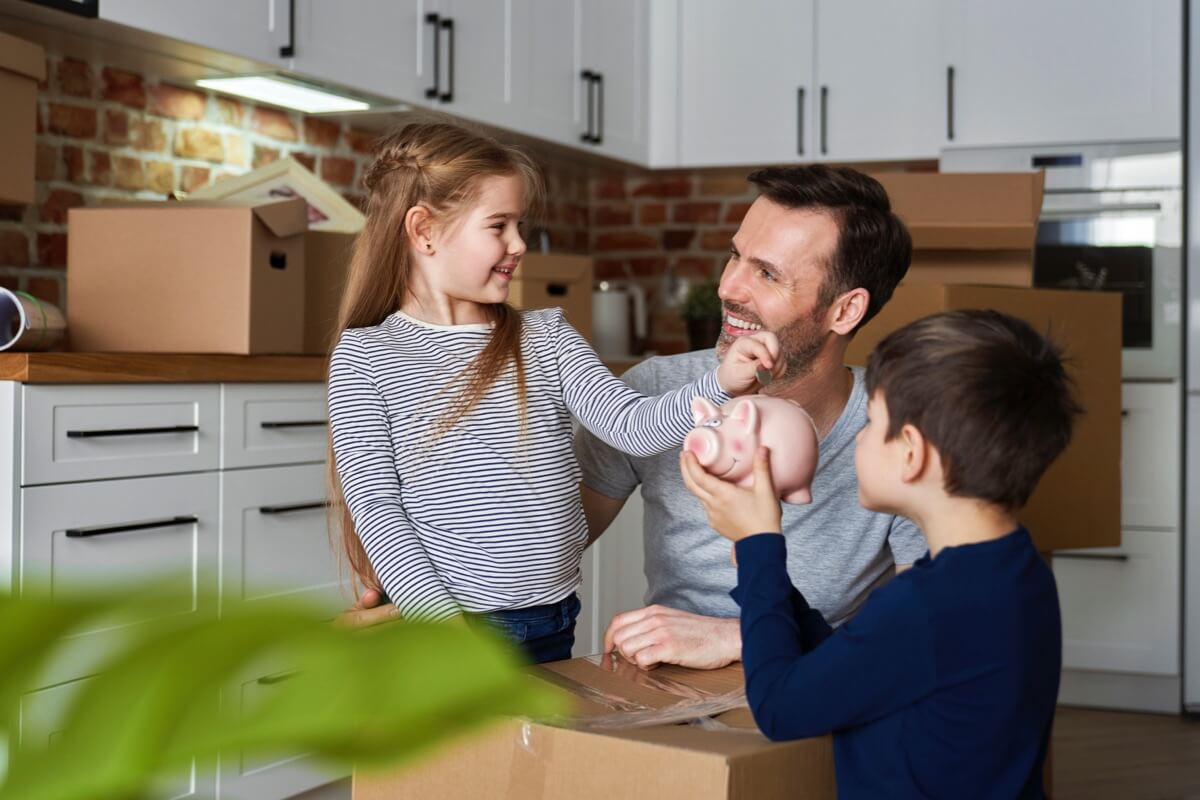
483, 517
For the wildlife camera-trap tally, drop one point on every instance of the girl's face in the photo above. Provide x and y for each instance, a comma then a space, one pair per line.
476, 255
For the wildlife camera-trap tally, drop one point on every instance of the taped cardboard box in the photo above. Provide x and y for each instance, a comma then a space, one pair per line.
326, 263
22, 67
1078, 501
187, 277
975, 228
659, 735
548, 280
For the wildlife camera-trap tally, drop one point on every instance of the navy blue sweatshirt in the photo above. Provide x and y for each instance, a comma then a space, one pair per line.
943, 684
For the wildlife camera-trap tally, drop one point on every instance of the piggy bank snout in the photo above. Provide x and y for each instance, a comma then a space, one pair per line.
704, 444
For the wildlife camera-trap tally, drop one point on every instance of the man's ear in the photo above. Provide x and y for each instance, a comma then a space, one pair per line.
848, 310
917, 455
418, 227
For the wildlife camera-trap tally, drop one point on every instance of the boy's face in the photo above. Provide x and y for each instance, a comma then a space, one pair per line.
879, 463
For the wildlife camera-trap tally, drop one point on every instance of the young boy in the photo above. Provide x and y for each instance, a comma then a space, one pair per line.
943, 685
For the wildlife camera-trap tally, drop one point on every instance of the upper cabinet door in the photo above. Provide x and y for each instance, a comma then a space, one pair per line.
880, 80
614, 45
473, 72
375, 45
546, 85
1063, 71
249, 28
746, 82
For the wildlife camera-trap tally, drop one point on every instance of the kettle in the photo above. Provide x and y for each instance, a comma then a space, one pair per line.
619, 322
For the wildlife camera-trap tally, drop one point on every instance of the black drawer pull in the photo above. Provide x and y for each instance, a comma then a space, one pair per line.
434, 20
132, 431
293, 507
800, 120
278, 677
448, 95
1093, 556
289, 50
81, 533
305, 423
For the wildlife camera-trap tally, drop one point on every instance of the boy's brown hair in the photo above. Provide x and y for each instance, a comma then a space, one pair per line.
986, 390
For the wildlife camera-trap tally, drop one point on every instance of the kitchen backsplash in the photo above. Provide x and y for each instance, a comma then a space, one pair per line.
106, 133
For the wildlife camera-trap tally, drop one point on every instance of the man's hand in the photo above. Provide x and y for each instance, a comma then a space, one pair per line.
733, 511
367, 612
660, 635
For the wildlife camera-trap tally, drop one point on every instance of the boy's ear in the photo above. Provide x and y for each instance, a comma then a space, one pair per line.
916, 454
418, 226
848, 310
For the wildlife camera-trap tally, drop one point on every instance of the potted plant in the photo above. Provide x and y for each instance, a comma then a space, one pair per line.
701, 311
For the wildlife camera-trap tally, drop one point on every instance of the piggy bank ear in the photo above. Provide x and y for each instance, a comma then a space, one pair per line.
702, 410
744, 410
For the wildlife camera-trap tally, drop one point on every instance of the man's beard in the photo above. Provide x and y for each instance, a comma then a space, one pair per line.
799, 342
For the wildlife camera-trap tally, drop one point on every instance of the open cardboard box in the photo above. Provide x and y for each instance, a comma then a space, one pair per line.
696, 752
968, 227
22, 66
546, 280
1078, 501
165, 277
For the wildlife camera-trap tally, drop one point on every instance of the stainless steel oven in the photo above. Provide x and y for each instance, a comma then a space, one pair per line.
1112, 220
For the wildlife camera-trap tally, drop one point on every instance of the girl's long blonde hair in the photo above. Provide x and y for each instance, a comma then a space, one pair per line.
439, 166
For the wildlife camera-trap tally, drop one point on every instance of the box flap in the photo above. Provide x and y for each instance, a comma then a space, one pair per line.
22, 57
283, 217
553, 267
970, 211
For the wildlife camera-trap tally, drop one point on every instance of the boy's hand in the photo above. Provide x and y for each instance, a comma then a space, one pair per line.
738, 372
733, 511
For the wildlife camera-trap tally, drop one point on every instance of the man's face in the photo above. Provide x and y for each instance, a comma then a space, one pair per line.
777, 264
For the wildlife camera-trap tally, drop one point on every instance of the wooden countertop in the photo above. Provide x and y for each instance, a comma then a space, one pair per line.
158, 368
175, 368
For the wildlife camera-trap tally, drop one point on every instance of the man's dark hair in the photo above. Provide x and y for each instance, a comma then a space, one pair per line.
874, 248
987, 391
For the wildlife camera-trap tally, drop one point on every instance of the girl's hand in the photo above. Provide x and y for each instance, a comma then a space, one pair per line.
738, 372
733, 511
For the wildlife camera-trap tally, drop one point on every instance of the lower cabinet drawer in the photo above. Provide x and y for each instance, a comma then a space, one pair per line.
275, 538
42, 722
1120, 605
116, 534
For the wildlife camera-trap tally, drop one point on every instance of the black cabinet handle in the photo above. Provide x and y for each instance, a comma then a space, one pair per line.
588, 77
304, 423
435, 21
599, 138
448, 96
293, 507
81, 533
1093, 556
800, 120
1125, 412
289, 50
824, 120
131, 431
950, 103
278, 677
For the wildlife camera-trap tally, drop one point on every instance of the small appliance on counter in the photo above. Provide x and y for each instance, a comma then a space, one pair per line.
619, 321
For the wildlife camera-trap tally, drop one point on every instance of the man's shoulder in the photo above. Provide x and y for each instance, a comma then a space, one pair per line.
659, 374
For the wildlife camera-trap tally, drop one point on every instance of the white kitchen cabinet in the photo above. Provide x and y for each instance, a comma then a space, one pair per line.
381, 46
614, 49
255, 29
746, 82
1120, 605
233, 507
614, 579
547, 89
1150, 455
474, 77
879, 90
1065, 71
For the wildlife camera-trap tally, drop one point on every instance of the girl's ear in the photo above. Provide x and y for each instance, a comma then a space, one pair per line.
418, 227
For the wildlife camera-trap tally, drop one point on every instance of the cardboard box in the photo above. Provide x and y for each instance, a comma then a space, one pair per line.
187, 277
22, 67
326, 264
974, 228
1078, 502
545, 280
724, 759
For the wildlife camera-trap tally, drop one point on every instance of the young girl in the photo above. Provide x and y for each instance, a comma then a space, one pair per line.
450, 412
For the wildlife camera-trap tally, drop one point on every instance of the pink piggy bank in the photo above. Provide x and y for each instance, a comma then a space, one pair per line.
724, 441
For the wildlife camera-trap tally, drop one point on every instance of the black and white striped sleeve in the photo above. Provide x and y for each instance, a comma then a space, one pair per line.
624, 418
367, 470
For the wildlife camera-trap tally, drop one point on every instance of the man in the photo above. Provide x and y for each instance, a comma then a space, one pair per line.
817, 255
